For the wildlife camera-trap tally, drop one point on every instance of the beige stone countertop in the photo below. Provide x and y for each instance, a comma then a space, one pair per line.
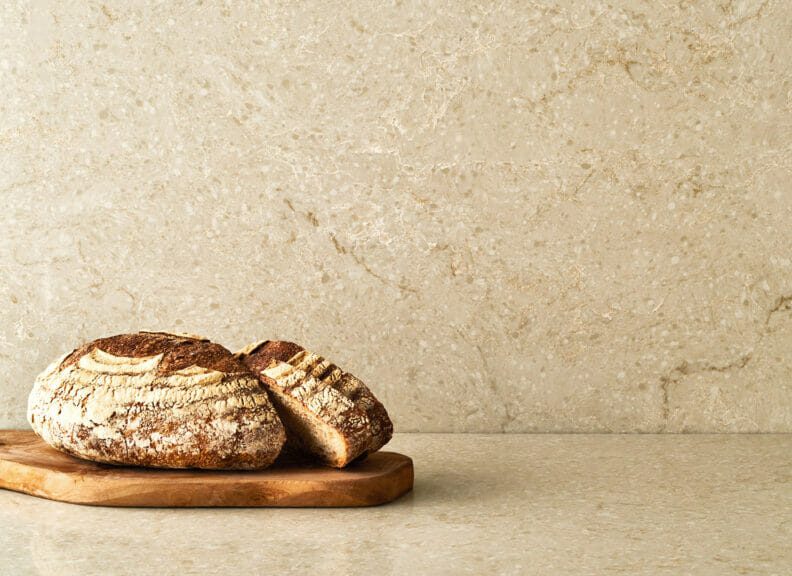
482, 504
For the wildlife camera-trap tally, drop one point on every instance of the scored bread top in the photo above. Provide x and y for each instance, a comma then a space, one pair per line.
178, 351
156, 399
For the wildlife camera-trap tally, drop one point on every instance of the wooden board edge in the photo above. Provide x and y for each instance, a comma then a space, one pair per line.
77, 488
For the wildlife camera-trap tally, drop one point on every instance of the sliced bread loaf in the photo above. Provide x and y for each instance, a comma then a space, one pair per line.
328, 413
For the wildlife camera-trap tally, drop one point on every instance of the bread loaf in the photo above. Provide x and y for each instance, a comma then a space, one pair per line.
156, 399
328, 413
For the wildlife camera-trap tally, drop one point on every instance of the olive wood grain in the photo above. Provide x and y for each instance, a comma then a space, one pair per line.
29, 465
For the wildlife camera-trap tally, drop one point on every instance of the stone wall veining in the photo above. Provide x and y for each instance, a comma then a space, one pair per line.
513, 216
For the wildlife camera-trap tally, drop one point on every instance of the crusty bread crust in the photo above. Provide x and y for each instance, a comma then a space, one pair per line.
178, 351
305, 386
156, 399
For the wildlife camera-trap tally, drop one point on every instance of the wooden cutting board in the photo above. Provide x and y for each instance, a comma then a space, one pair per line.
29, 465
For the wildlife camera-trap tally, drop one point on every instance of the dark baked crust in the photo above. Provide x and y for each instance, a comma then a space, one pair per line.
260, 356
179, 351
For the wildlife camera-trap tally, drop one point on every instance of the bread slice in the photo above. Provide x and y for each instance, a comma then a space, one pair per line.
156, 399
328, 413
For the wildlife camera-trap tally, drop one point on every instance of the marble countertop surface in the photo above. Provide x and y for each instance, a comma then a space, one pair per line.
482, 504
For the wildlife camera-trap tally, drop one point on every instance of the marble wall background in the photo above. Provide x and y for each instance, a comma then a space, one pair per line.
512, 216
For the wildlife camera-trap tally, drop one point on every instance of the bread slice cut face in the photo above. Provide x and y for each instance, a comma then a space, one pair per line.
328, 414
